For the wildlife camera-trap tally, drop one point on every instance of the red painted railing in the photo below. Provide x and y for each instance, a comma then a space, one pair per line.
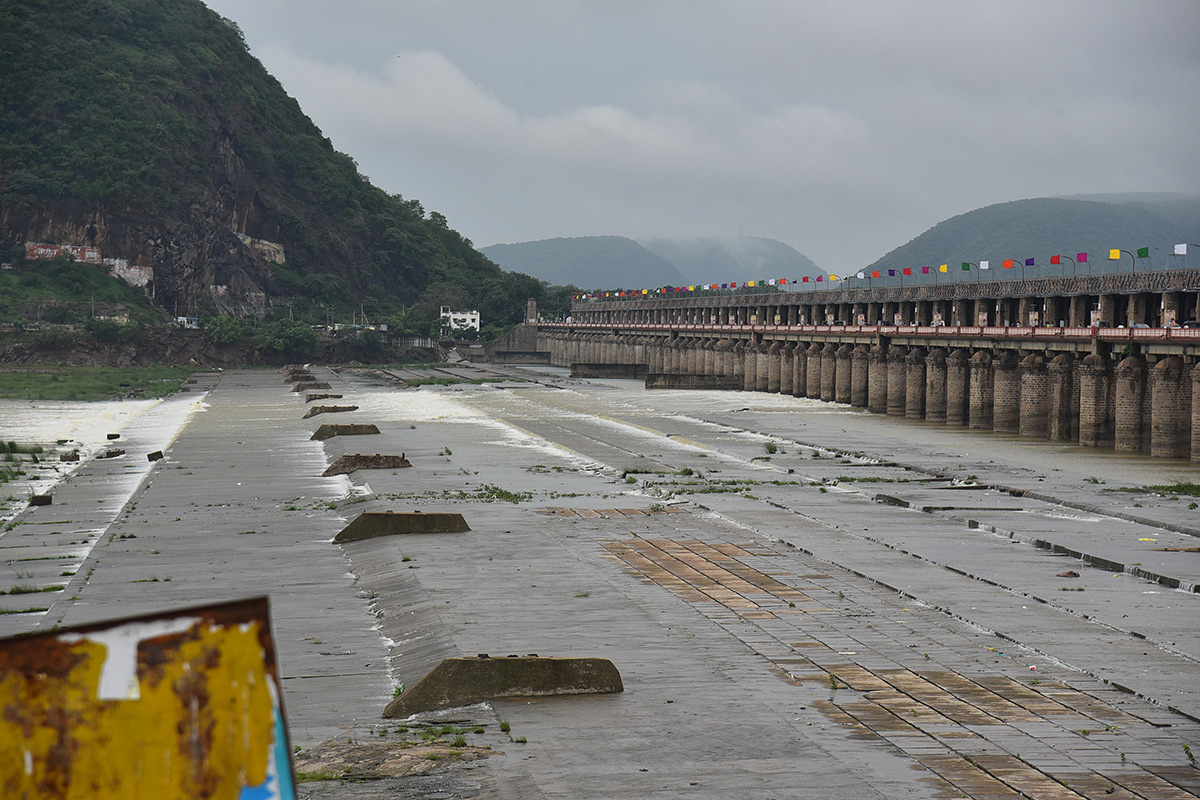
1181, 335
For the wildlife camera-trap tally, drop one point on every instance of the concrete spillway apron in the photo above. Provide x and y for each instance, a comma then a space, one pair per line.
464, 681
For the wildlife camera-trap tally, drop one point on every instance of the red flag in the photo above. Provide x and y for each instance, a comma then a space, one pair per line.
804, 279
875, 273
1055, 259
908, 270
1008, 263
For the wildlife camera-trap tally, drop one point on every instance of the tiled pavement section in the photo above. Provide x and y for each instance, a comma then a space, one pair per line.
703, 715
987, 735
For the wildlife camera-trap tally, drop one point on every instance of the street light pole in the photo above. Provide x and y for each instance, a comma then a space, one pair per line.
1118, 258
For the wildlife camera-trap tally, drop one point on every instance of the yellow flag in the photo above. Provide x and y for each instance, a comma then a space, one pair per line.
943, 268
645, 291
832, 277
749, 283
1114, 255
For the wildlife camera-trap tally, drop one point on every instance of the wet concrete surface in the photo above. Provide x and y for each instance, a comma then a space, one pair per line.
803, 600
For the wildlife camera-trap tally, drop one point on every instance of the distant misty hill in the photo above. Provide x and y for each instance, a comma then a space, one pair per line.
587, 262
712, 260
1042, 227
611, 262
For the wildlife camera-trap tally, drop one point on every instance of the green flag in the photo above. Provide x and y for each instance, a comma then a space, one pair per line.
1143, 252
966, 265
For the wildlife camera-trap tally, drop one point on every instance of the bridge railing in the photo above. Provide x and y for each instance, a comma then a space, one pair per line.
1163, 280
1140, 334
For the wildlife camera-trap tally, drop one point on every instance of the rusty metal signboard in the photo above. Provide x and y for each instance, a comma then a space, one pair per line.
185, 704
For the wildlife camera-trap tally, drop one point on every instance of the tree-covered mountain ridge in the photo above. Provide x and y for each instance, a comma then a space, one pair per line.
1041, 227
586, 261
149, 134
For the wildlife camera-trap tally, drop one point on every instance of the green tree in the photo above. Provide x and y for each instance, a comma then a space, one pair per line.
288, 339
223, 331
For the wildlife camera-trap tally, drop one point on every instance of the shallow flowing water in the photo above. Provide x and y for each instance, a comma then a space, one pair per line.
64, 426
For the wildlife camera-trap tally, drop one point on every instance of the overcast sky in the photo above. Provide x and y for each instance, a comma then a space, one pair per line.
843, 128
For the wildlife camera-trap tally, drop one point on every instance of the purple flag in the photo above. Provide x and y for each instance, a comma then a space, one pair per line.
891, 273
924, 270
1029, 262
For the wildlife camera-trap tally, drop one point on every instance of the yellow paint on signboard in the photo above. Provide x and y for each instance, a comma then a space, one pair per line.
202, 722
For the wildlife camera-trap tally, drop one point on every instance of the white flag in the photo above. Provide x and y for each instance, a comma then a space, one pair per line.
984, 265
1181, 249
862, 275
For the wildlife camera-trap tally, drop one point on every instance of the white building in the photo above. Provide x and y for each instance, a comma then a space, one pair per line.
453, 321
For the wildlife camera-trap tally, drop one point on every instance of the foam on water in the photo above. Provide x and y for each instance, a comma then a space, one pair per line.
428, 404
85, 427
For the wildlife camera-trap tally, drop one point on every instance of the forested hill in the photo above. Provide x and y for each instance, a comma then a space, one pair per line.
147, 131
715, 260
1043, 227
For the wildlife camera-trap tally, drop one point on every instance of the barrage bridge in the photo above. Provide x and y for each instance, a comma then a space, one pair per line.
1101, 360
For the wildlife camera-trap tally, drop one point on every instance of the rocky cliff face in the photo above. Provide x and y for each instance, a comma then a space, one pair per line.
149, 132
175, 348
199, 262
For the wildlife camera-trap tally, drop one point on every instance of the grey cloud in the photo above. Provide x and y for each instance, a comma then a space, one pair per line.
843, 129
